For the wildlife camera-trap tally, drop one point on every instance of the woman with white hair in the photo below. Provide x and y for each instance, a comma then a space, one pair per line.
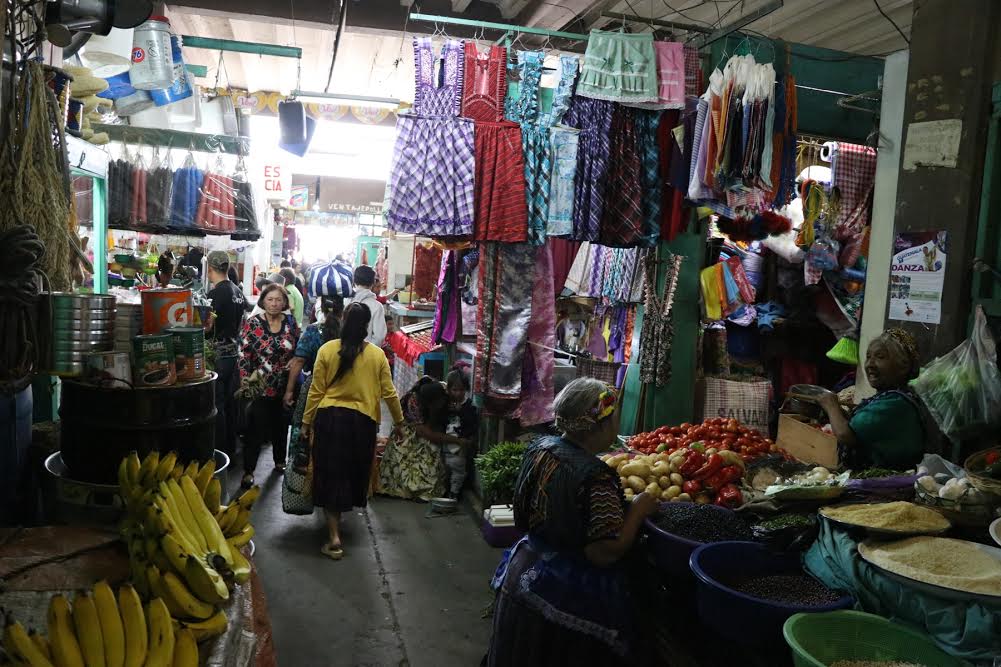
561, 593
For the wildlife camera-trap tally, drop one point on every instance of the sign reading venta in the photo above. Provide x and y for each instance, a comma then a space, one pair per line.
276, 180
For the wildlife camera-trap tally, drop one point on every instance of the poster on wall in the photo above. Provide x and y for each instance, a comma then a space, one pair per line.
917, 275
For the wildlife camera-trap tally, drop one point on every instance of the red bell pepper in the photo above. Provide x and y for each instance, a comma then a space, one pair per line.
712, 465
716, 481
733, 473
691, 487
694, 462
730, 496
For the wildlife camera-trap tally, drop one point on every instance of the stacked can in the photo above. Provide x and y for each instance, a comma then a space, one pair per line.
81, 324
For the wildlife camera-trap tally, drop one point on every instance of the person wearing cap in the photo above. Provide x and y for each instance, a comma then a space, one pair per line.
887, 430
223, 331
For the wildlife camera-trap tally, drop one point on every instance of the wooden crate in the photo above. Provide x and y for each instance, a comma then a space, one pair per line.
807, 443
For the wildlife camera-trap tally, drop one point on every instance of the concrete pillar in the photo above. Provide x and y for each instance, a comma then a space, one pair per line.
953, 56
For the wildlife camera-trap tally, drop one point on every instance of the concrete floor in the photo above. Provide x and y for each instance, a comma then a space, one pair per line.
410, 591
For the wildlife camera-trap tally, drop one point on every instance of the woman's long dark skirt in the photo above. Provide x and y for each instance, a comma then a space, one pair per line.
343, 448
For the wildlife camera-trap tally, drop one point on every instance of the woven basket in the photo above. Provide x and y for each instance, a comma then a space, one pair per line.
606, 371
975, 465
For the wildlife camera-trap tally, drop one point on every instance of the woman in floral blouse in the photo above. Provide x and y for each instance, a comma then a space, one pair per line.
268, 343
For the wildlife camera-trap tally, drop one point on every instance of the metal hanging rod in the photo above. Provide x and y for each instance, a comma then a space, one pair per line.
632, 18
741, 22
488, 25
213, 44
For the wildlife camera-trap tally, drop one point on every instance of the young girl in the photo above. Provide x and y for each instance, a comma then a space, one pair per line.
463, 423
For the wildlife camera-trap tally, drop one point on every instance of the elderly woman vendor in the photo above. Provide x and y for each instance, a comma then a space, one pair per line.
562, 594
888, 429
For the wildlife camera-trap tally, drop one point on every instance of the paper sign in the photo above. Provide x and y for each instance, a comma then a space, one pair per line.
917, 276
934, 143
276, 180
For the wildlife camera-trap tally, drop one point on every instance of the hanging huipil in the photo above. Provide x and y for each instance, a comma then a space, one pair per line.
431, 181
501, 205
537, 388
658, 328
535, 140
564, 140
594, 120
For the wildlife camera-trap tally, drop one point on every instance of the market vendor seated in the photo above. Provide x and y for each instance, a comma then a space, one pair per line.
888, 429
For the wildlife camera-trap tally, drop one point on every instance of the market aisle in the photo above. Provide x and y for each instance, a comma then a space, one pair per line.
409, 592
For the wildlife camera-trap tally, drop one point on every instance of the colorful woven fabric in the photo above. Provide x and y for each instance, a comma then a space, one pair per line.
619, 67
430, 190
565, 144
537, 389
647, 124
594, 120
622, 218
853, 172
484, 83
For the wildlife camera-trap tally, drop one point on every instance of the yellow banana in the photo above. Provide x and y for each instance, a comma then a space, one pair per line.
177, 471
185, 649
134, 623
241, 521
205, 582
213, 495
241, 538
204, 475
157, 591
112, 631
227, 517
161, 635
165, 467
192, 469
139, 580
125, 485
148, 468
241, 566
133, 465
155, 554
249, 497
19, 644
214, 538
174, 512
190, 605
62, 636
88, 629
166, 523
176, 554
211, 627
187, 518
42, 643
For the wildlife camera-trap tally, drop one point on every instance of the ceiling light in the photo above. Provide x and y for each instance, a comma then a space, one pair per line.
345, 98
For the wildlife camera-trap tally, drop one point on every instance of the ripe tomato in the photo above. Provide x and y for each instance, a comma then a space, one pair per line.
685, 426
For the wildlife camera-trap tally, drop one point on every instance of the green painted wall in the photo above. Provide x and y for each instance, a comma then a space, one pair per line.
814, 67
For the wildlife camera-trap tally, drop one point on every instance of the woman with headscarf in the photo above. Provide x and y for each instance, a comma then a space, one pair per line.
888, 429
562, 592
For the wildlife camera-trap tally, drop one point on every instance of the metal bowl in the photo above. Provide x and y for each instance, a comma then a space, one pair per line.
82, 346
85, 315
87, 336
101, 326
64, 300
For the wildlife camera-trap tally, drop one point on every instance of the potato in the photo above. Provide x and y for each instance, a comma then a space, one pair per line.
674, 467
652, 489
637, 468
676, 478
665, 496
635, 483
711, 450
685, 497
664, 481
623, 482
674, 491
629, 494
615, 460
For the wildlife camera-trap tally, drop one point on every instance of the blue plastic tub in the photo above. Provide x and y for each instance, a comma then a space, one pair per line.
672, 552
760, 621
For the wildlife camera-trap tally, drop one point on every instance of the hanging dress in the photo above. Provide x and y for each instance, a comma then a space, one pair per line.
501, 207
658, 328
535, 140
431, 183
565, 142
594, 120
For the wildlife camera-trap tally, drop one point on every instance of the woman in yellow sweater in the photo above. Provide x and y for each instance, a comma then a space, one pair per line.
350, 380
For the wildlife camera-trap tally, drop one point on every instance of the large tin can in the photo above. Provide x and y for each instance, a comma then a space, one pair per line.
152, 60
153, 360
165, 308
189, 352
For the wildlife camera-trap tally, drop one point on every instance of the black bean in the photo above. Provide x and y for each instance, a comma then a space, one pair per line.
701, 523
795, 589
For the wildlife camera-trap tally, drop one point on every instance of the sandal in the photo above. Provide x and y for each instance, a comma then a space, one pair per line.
247, 481
333, 552
280, 468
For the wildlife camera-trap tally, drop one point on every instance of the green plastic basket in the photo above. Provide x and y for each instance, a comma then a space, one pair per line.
817, 640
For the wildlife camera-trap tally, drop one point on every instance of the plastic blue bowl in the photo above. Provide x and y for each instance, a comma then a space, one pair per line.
761, 621
672, 552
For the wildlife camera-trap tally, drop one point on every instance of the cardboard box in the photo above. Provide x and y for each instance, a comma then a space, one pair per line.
807, 443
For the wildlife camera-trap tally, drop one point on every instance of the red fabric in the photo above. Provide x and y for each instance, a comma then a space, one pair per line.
622, 218
672, 210
484, 83
564, 252
854, 175
501, 207
405, 348
427, 263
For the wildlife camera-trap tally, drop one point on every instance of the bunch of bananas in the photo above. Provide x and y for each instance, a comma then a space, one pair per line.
102, 629
184, 547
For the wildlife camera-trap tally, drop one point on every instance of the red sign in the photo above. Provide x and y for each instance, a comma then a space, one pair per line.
138, 55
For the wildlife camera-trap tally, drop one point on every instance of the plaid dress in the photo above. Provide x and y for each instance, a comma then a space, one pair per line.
430, 187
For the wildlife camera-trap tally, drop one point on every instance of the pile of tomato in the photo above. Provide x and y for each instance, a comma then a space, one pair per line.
726, 434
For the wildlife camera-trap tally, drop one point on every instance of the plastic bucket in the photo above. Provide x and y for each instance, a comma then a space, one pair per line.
761, 621
165, 308
672, 552
109, 55
152, 62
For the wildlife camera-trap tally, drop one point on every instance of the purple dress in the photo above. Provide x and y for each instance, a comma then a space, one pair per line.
594, 120
430, 187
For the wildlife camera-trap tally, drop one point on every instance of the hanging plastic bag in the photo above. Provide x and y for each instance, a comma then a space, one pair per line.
158, 187
185, 193
823, 254
962, 390
244, 213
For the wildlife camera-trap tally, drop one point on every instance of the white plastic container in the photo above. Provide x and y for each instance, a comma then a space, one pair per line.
152, 61
180, 89
134, 103
110, 55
